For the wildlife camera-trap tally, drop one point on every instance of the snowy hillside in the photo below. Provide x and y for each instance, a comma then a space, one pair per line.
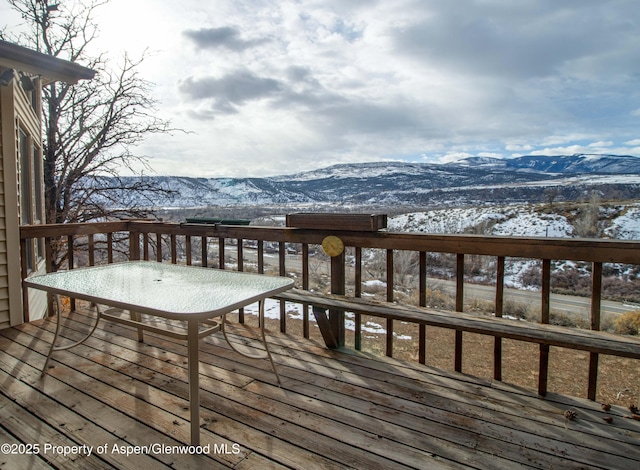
516, 220
520, 220
627, 225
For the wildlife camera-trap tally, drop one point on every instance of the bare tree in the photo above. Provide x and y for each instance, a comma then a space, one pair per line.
405, 266
586, 223
550, 195
90, 128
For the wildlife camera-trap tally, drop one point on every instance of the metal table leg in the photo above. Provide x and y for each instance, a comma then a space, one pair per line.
262, 337
194, 381
57, 334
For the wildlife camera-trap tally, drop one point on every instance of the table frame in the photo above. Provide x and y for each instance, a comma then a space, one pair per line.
192, 336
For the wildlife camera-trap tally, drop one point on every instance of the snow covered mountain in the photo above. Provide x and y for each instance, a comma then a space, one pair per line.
578, 163
471, 181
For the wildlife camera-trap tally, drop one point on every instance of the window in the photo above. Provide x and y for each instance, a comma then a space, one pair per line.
31, 192
26, 214
38, 185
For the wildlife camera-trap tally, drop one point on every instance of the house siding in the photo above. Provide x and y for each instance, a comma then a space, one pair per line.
4, 278
12, 103
28, 121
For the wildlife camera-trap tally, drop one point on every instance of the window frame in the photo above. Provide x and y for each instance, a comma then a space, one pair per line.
30, 191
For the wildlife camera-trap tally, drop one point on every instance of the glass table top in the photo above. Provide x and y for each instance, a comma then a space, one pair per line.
163, 289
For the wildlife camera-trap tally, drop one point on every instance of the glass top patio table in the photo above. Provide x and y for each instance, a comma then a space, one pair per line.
162, 289
187, 293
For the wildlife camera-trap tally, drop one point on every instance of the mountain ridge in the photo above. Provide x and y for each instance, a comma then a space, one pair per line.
474, 180
576, 163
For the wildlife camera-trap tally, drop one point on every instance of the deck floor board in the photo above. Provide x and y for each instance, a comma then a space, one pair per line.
334, 409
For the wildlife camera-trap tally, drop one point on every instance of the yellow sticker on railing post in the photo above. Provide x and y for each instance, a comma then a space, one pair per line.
332, 246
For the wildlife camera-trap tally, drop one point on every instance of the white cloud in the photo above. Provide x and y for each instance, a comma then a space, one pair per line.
267, 87
512, 147
600, 144
569, 150
564, 139
453, 157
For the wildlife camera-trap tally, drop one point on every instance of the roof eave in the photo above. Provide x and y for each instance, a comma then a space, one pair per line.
51, 69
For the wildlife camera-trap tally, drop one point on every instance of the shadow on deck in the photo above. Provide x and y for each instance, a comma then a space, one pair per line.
335, 409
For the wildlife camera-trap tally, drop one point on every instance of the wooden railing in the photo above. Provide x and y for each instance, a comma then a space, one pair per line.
190, 244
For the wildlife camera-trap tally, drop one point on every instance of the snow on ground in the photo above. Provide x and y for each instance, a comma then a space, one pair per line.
514, 269
534, 225
294, 311
454, 220
627, 225
516, 220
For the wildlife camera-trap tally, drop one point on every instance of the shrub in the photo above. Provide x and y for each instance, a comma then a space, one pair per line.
628, 323
567, 319
571, 281
621, 289
516, 309
435, 298
479, 306
532, 277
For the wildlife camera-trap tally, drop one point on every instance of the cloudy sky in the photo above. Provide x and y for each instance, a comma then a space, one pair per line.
272, 87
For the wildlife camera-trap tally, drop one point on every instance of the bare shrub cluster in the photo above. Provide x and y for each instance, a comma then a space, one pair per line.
628, 323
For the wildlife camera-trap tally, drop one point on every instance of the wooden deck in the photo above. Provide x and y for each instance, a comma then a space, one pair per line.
334, 410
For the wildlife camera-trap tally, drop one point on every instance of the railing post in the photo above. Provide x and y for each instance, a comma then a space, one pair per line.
305, 285
459, 308
221, 253
358, 293
109, 247
596, 295
240, 263
145, 246
332, 327
422, 296
543, 369
499, 308
134, 246
338, 278
260, 257
25, 269
205, 254
71, 262
159, 247
390, 285
188, 250
240, 254
92, 249
282, 271
48, 249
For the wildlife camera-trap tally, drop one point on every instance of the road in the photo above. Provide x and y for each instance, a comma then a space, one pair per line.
561, 303
572, 305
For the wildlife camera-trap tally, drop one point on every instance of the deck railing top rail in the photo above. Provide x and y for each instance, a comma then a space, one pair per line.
575, 249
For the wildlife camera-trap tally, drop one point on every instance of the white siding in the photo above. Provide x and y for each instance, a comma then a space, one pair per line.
11, 300
4, 279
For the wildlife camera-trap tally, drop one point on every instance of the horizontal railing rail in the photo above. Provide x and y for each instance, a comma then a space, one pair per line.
196, 244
